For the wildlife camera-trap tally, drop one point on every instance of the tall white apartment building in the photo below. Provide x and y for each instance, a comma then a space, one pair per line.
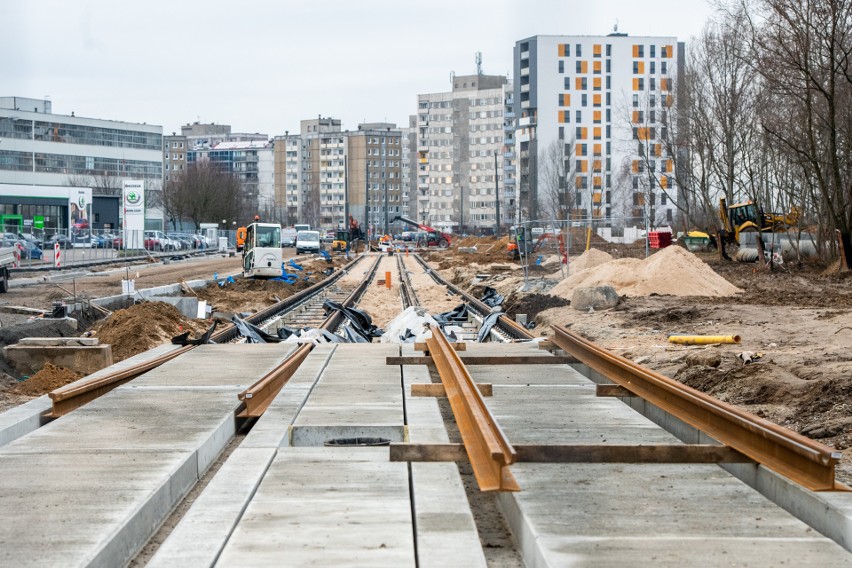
460, 155
603, 106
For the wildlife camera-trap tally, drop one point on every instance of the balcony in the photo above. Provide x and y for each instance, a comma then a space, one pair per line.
509, 155
525, 71
509, 168
525, 55
525, 88
508, 114
508, 126
526, 121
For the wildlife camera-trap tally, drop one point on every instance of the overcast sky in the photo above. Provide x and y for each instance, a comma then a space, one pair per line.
261, 66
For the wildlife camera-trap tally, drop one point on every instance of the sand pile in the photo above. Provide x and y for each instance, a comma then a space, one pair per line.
672, 271
143, 326
589, 259
50, 377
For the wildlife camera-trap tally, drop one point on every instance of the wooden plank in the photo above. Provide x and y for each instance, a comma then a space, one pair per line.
613, 390
438, 390
547, 345
487, 360
458, 346
582, 453
427, 452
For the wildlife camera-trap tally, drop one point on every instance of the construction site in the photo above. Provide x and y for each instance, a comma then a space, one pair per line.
477, 405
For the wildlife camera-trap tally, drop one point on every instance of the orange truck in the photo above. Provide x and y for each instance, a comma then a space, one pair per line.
241, 238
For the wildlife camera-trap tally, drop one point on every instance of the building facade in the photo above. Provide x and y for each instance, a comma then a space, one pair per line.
324, 173
594, 127
461, 155
40, 148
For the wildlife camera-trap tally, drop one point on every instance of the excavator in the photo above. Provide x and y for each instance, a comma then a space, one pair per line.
748, 216
520, 241
434, 237
344, 237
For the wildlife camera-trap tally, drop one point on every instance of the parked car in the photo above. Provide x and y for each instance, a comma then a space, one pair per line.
158, 241
308, 241
63, 240
28, 250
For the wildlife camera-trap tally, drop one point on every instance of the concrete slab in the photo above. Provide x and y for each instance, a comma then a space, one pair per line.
86, 508
356, 513
113, 469
203, 531
577, 514
28, 359
445, 529
27, 417
356, 396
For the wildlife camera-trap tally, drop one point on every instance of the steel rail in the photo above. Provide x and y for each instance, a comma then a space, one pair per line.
800, 459
487, 447
260, 395
506, 324
409, 296
69, 397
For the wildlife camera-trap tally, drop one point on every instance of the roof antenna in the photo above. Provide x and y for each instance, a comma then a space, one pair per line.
615, 27
479, 63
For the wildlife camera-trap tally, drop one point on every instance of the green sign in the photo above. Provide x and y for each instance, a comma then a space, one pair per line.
38, 221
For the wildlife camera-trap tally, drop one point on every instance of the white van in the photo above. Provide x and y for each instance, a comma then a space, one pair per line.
308, 241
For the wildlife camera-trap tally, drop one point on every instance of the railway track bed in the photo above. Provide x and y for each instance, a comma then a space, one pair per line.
297, 491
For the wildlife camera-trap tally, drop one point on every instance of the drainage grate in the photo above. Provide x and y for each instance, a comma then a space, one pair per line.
357, 442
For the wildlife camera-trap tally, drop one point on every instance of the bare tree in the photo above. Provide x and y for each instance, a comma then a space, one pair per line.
803, 54
204, 193
556, 180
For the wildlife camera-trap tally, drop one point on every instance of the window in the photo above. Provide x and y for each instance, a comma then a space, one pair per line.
652, 101
597, 132
581, 84
638, 51
564, 99
652, 117
596, 117
638, 67
663, 199
653, 66
596, 83
567, 85
608, 50
561, 66
609, 65
639, 84
564, 49
663, 67
596, 50
578, 116
584, 99
608, 83
596, 67
608, 116
578, 52
596, 100
653, 54
653, 84
635, 101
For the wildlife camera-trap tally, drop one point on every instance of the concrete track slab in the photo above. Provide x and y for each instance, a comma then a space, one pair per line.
357, 512
579, 514
203, 531
356, 396
126, 458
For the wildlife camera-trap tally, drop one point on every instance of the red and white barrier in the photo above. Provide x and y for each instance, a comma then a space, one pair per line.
57, 255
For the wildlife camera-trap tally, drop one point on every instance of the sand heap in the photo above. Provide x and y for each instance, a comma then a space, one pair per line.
672, 271
143, 326
50, 377
589, 259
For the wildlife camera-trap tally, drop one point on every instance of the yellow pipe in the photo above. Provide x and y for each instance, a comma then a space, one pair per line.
589, 238
703, 339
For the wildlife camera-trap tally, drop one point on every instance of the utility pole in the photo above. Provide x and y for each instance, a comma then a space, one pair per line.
496, 196
385, 181
345, 193
367, 228
461, 210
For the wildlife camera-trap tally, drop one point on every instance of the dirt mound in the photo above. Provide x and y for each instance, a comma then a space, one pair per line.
50, 377
589, 259
141, 327
672, 271
532, 304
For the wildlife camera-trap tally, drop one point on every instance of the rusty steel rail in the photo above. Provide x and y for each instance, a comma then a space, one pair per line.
69, 397
506, 324
487, 447
260, 395
800, 459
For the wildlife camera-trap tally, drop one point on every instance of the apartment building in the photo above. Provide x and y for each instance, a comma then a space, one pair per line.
46, 157
324, 173
251, 162
461, 155
594, 127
